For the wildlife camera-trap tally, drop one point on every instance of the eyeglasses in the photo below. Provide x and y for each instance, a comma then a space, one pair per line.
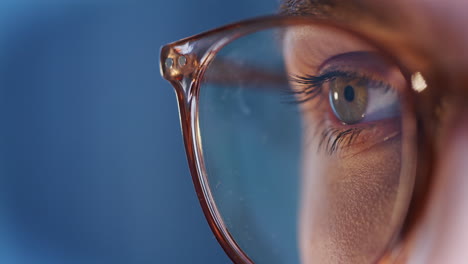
301, 136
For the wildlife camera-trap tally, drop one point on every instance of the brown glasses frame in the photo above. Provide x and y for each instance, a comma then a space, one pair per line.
183, 64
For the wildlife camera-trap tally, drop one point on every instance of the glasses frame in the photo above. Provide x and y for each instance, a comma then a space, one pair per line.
184, 62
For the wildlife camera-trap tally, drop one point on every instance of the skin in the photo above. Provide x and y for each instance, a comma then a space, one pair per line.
429, 36
348, 196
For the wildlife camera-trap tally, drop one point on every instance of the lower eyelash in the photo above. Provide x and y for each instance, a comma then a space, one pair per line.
332, 139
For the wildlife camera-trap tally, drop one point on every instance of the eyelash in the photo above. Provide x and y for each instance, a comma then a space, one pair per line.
331, 139
338, 138
313, 85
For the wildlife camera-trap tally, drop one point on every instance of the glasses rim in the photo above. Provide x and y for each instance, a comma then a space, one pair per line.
183, 64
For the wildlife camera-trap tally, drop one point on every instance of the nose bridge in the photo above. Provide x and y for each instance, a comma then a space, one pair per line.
442, 235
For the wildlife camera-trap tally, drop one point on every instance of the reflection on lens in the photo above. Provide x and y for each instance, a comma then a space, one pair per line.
303, 139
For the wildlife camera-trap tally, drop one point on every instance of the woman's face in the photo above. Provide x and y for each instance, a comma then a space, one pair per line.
356, 156
352, 145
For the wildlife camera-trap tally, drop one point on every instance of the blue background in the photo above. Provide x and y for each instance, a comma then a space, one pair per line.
92, 167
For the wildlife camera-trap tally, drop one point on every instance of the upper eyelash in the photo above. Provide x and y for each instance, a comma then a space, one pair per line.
313, 85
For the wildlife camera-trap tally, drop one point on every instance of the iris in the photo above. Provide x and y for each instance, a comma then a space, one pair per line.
348, 98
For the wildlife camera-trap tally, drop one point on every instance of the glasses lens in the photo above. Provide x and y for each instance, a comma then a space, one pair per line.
305, 145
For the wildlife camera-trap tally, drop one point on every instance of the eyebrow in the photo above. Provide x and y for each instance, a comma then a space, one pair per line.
344, 11
305, 7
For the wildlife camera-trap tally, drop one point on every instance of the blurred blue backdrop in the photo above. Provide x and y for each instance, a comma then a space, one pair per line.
92, 167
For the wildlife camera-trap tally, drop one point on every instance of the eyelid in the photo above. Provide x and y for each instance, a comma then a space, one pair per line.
367, 63
360, 58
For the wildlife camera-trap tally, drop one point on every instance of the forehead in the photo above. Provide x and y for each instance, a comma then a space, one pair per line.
451, 13
435, 6
434, 29
436, 16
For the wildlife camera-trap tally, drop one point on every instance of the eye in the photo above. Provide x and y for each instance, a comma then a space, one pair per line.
359, 104
360, 99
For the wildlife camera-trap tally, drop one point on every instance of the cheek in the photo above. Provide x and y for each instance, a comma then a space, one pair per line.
348, 203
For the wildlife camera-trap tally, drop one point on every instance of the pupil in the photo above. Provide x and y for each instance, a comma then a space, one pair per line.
349, 93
